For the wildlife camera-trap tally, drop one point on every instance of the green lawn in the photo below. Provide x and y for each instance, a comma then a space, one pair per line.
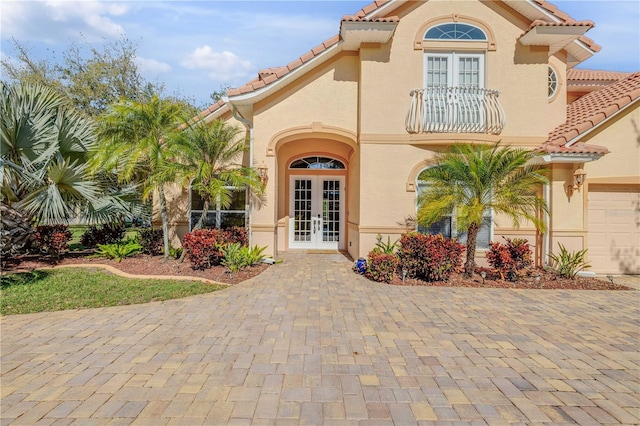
73, 288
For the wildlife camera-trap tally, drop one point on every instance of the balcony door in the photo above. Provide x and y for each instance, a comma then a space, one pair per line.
451, 86
316, 212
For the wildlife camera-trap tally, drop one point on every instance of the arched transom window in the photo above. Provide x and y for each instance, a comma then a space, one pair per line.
455, 31
317, 163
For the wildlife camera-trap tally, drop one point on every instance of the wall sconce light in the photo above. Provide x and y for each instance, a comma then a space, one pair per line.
579, 177
262, 173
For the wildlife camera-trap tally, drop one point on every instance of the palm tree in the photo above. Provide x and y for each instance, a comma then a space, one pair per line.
134, 139
45, 145
470, 180
209, 158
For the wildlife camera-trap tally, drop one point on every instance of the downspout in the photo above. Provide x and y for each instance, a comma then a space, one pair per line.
249, 126
547, 220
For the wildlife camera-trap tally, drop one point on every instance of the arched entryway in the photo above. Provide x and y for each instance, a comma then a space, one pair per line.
317, 203
314, 171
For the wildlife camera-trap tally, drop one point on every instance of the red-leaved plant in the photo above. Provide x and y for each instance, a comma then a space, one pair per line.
507, 259
204, 247
52, 239
381, 266
429, 257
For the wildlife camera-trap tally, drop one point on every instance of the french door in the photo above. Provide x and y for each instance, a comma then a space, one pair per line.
454, 70
453, 99
316, 212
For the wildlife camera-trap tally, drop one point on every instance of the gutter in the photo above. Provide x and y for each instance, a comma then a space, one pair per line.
557, 158
249, 126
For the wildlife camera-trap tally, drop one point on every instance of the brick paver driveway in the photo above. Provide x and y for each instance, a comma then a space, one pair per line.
309, 342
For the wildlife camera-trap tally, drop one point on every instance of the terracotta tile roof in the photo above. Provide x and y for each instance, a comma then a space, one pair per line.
552, 9
210, 110
578, 148
370, 8
566, 19
269, 75
580, 77
354, 18
541, 23
591, 110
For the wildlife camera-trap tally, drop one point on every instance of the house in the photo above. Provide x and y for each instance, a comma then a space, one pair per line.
341, 133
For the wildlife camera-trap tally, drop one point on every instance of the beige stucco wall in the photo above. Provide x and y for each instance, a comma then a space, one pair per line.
620, 167
353, 107
390, 71
621, 135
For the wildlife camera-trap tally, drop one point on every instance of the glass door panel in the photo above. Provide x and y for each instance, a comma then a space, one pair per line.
316, 212
331, 211
302, 203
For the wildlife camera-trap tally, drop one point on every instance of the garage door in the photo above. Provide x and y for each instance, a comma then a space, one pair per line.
614, 229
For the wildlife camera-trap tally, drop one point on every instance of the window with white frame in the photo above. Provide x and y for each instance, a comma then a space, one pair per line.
455, 68
455, 31
217, 215
447, 225
552, 82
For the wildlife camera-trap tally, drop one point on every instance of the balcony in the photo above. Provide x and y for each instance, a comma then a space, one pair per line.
455, 110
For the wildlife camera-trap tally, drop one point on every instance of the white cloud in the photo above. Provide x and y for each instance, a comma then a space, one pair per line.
49, 20
152, 66
222, 66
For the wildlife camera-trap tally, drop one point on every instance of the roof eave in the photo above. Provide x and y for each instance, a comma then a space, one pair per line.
217, 113
558, 38
565, 157
356, 33
578, 52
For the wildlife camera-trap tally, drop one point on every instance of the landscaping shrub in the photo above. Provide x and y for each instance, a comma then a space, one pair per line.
109, 233
234, 257
237, 256
175, 252
118, 251
568, 264
236, 234
51, 239
204, 247
254, 255
386, 248
429, 257
16, 231
507, 259
381, 266
151, 241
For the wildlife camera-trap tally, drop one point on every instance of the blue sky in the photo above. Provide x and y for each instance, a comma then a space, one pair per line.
195, 47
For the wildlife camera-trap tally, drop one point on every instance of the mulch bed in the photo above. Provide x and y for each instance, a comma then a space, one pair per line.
547, 280
140, 265
156, 265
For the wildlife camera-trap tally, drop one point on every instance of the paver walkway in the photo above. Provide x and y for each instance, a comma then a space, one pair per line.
309, 342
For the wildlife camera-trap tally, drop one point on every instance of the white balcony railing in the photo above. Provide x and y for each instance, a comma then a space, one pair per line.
455, 110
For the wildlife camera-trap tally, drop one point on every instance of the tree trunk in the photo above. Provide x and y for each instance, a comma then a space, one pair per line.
165, 220
205, 211
472, 237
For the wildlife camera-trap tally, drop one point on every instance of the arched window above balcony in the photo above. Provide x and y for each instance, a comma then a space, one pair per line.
455, 31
